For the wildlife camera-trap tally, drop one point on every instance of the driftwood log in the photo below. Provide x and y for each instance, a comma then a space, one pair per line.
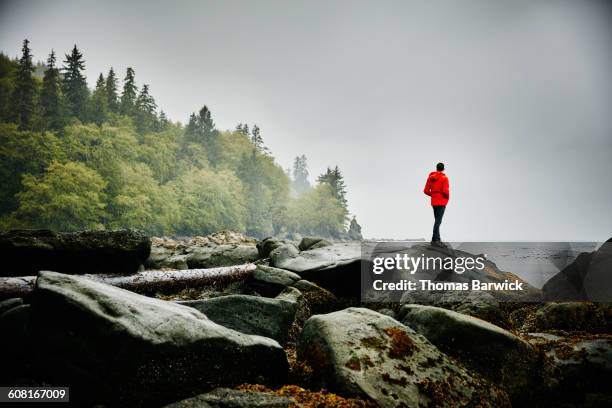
145, 282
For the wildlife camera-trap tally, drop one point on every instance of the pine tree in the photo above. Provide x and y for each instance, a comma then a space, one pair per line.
354, 231
201, 128
128, 96
300, 175
257, 140
163, 120
22, 98
335, 179
50, 96
99, 102
75, 85
146, 115
112, 99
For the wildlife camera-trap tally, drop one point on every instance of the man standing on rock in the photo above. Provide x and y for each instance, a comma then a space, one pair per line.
437, 188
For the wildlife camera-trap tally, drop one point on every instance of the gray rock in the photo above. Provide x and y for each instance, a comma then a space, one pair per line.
138, 351
158, 256
587, 278
8, 304
478, 304
359, 352
387, 312
497, 354
576, 365
267, 245
336, 267
230, 398
269, 281
285, 251
435, 271
212, 256
319, 300
313, 243
25, 252
575, 316
250, 314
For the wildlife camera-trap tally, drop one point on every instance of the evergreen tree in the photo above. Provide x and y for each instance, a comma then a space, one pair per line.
75, 85
22, 99
300, 175
7, 69
201, 128
335, 179
354, 231
257, 140
99, 102
146, 115
128, 96
50, 96
112, 99
163, 120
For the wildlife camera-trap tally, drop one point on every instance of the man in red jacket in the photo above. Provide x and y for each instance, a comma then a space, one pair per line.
437, 188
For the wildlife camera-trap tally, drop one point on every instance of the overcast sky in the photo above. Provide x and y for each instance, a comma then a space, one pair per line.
514, 96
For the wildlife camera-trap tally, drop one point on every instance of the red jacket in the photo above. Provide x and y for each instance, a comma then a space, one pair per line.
437, 188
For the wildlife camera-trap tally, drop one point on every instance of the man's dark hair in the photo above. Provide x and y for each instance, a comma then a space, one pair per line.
440, 166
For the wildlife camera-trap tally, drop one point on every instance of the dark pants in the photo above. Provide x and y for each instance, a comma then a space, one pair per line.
438, 214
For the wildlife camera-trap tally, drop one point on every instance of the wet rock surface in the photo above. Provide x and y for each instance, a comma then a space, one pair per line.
434, 348
358, 351
165, 350
497, 354
221, 249
230, 398
250, 314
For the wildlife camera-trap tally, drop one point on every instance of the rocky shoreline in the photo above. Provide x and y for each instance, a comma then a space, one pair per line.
290, 331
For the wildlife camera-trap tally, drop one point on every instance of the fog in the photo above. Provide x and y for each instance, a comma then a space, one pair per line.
514, 96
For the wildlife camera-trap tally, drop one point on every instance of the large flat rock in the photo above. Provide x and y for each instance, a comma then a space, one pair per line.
359, 352
107, 342
335, 267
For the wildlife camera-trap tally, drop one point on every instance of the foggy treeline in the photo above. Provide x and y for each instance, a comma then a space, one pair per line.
73, 158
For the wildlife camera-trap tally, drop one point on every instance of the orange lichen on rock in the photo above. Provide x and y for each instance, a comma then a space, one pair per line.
401, 344
310, 399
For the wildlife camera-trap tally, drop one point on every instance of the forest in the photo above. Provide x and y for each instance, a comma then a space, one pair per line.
74, 158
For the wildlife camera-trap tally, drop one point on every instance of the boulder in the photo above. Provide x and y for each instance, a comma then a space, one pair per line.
269, 281
336, 268
8, 304
497, 354
163, 258
267, 245
109, 343
435, 270
478, 304
25, 252
359, 352
577, 365
574, 316
312, 243
319, 300
230, 398
212, 256
250, 314
587, 278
